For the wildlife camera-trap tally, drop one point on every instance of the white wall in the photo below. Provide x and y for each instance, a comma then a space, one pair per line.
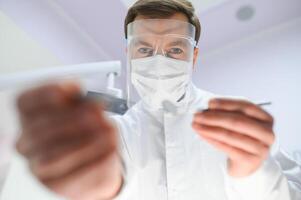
265, 66
50, 26
19, 51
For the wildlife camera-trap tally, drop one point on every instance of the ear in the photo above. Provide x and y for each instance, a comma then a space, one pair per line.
195, 56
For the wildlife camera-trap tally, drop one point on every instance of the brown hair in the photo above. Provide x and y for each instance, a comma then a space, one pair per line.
162, 9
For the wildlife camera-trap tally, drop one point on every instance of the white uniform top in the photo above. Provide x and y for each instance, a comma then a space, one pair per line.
165, 159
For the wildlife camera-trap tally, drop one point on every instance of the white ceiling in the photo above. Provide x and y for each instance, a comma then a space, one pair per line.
62, 25
79, 31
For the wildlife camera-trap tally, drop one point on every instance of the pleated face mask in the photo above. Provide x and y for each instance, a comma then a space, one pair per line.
161, 82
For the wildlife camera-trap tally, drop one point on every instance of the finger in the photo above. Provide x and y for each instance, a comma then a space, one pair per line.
84, 114
52, 151
238, 123
232, 138
33, 150
243, 106
49, 96
48, 131
53, 117
232, 152
68, 161
91, 181
62, 147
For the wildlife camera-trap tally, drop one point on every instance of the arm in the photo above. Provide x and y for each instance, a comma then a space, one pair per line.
291, 169
128, 170
245, 133
268, 182
69, 144
6, 143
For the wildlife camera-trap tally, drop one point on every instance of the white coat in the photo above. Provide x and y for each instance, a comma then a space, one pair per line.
165, 159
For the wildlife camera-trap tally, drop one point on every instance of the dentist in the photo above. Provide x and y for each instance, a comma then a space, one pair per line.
177, 142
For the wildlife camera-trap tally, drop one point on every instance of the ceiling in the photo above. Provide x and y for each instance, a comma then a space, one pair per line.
77, 31
101, 25
104, 22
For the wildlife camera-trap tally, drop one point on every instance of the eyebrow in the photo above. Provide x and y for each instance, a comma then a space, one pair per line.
142, 43
179, 42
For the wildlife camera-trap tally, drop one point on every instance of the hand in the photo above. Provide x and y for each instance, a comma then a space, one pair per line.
71, 147
240, 129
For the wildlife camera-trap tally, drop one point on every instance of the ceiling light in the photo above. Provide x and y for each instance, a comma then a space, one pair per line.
245, 13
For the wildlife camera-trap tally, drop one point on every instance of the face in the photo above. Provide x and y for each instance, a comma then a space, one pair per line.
165, 39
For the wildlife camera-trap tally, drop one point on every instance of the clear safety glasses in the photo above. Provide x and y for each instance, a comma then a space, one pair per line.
170, 46
170, 38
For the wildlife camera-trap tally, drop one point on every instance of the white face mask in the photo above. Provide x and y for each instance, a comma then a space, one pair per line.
162, 83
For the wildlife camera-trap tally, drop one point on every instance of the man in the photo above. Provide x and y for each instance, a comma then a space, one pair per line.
163, 147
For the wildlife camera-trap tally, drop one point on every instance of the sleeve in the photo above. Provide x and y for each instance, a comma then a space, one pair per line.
3, 173
6, 149
291, 168
129, 177
279, 178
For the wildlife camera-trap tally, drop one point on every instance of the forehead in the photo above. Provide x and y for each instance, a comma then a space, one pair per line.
159, 27
177, 16
152, 40
176, 24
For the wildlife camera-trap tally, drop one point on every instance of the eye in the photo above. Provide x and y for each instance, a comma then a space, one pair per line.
175, 50
145, 50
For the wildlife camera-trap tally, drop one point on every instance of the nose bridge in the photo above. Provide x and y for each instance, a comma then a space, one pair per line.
159, 47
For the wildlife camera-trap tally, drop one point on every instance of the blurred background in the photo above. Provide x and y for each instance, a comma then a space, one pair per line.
248, 48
